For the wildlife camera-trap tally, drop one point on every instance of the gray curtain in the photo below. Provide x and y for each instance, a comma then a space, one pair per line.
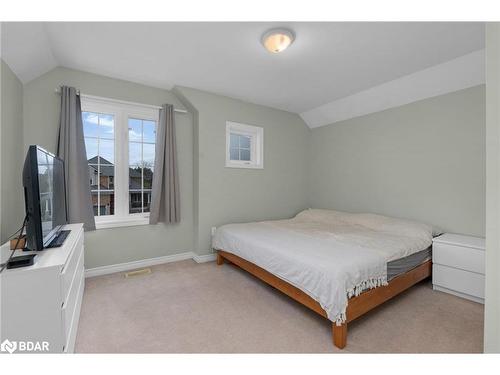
71, 148
165, 200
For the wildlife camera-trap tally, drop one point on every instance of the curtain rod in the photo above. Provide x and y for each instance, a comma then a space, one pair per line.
58, 91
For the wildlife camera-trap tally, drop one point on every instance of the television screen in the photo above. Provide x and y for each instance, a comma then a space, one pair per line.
51, 189
43, 180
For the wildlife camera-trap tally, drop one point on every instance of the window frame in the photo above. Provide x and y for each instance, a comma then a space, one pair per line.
122, 112
256, 134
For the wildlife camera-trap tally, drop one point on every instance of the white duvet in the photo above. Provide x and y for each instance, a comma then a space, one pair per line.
330, 255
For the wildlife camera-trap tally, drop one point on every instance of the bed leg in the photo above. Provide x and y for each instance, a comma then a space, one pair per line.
220, 260
339, 335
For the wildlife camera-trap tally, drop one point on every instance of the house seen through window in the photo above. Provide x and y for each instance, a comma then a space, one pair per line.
120, 144
98, 131
141, 148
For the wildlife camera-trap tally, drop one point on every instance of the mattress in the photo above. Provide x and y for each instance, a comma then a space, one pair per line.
405, 264
329, 255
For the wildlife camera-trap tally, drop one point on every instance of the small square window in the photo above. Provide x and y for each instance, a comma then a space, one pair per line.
240, 147
244, 146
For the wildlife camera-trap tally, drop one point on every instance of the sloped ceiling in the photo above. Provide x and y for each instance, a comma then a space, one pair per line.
326, 63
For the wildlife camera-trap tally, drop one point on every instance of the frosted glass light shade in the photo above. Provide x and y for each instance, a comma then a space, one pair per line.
277, 40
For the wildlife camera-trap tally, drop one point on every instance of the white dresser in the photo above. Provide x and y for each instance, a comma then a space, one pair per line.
41, 303
458, 266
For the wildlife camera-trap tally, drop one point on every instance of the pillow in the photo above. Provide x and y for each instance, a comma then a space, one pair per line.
322, 216
393, 225
375, 222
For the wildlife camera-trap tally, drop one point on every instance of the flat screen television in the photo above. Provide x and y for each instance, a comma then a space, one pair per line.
44, 197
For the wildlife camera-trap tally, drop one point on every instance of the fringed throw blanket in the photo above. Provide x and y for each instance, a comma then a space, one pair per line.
330, 255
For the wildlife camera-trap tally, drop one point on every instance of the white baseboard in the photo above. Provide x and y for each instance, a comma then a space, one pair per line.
458, 294
204, 258
114, 268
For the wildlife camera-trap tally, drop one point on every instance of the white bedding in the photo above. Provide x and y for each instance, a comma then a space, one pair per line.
330, 255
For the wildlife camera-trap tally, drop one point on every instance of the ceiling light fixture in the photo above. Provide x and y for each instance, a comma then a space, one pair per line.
277, 40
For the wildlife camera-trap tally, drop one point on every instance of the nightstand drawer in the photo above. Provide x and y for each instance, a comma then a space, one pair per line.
458, 280
465, 258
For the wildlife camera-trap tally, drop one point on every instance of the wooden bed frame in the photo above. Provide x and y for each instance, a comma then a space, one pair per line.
357, 305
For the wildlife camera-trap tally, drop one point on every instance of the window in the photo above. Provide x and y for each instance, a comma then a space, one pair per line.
120, 142
98, 129
141, 137
244, 146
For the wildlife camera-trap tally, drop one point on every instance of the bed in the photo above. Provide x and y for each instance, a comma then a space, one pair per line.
340, 265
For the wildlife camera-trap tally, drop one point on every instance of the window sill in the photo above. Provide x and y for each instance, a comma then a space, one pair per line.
122, 222
244, 166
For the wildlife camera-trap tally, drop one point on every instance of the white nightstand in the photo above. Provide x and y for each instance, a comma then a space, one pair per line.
458, 266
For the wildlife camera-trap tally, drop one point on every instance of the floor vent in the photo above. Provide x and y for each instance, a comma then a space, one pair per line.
141, 272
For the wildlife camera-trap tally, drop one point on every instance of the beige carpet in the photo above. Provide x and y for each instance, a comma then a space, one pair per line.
187, 307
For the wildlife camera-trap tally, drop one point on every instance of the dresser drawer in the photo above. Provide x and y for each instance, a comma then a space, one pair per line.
70, 304
458, 280
69, 270
465, 258
70, 320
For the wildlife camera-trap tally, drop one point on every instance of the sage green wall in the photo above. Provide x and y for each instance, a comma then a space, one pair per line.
12, 199
211, 194
492, 293
117, 245
423, 161
228, 195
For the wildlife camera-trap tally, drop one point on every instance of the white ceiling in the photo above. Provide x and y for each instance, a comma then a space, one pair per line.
328, 61
454, 75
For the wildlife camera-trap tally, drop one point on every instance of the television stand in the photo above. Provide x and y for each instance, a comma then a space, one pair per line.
42, 302
58, 240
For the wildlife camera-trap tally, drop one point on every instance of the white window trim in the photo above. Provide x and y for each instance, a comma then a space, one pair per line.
256, 146
105, 223
121, 112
